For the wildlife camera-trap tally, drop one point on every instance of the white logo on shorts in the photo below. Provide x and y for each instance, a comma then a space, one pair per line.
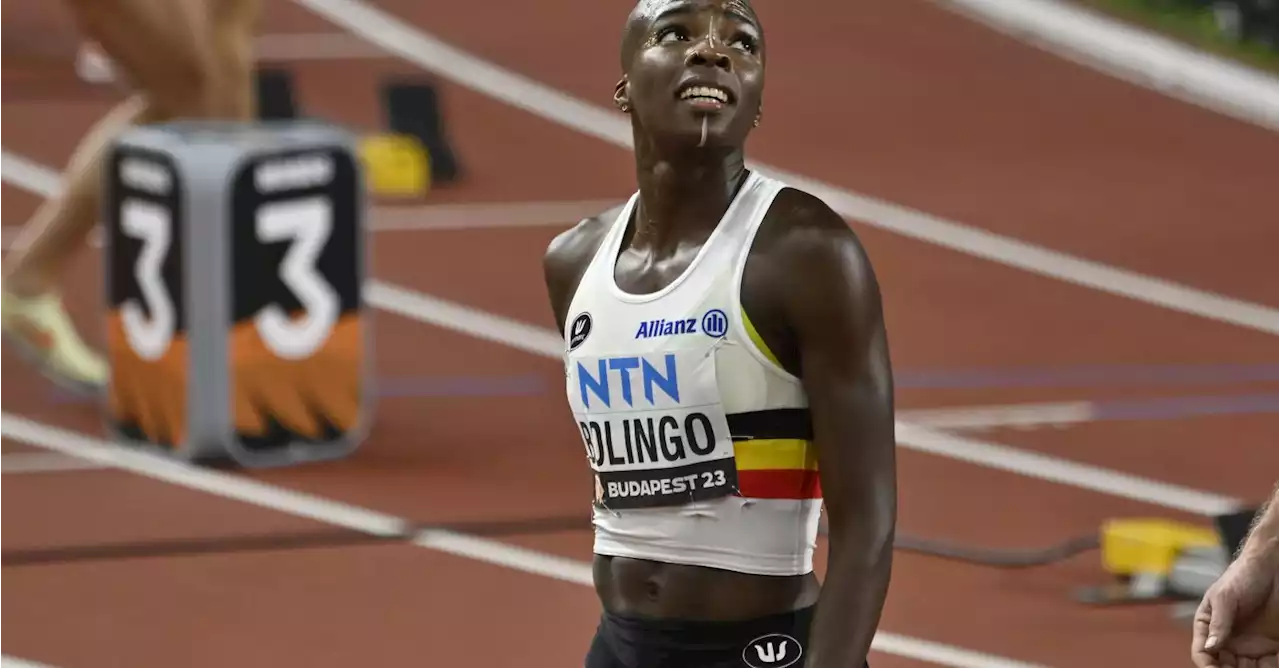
775, 650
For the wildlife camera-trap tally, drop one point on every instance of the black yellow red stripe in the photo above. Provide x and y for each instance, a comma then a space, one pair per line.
775, 454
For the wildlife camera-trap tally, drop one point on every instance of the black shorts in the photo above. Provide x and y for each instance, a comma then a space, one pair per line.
777, 641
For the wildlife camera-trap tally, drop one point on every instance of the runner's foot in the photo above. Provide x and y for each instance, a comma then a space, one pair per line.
43, 332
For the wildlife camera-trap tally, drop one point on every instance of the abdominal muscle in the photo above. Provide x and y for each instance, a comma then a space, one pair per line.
642, 588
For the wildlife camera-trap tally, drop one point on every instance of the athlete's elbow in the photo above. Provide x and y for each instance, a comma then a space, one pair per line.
863, 542
863, 516
866, 548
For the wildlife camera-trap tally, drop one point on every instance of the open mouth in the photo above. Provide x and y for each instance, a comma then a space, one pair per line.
705, 96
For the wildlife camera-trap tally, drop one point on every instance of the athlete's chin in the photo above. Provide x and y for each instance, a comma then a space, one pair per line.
718, 132
715, 143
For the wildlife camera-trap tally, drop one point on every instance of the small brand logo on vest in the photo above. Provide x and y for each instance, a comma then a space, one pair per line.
775, 650
579, 330
714, 323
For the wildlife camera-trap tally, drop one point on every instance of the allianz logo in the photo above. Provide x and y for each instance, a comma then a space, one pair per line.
713, 323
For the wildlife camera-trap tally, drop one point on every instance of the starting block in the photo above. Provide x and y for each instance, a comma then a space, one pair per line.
236, 330
1155, 559
402, 161
395, 165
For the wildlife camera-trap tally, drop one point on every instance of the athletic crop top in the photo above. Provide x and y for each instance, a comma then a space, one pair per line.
699, 441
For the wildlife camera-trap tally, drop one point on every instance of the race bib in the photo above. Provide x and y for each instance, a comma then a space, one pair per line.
654, 428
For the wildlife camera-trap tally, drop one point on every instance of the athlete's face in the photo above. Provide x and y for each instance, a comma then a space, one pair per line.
687, 61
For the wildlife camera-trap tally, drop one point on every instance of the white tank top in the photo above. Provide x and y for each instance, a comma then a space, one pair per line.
700, 442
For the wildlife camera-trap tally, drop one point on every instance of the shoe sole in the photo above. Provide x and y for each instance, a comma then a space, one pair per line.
34, 357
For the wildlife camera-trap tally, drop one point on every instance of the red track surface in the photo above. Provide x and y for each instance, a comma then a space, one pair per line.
897, 98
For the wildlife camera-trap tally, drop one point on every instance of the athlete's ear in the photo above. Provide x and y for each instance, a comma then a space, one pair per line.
621, 96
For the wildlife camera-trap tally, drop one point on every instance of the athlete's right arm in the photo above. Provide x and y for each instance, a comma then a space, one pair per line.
567, 257
1238, 613
1263, 537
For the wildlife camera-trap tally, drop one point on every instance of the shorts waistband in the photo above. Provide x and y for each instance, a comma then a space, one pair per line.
678, 632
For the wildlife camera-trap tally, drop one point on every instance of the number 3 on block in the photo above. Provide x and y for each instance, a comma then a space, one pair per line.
151, 224
306, 224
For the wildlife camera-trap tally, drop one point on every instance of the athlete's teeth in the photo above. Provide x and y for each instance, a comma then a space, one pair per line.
705, 92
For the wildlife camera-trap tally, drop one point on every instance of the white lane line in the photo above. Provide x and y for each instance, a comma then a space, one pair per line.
1009, 415
465, 69
431, 218
288, 47
43, 462
1142, 57
7, 661
1063, 471
436, 217
94, 66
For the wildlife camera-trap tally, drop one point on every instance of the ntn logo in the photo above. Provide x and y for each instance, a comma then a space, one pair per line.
612, 373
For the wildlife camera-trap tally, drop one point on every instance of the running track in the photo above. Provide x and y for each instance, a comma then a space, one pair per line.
895, 98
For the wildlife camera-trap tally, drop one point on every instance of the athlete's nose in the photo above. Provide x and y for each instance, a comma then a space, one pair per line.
706, 53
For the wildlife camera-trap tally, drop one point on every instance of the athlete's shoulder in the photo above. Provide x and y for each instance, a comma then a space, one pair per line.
569, 253
577, 245
802, 229
808, 281
825, 262
804, 211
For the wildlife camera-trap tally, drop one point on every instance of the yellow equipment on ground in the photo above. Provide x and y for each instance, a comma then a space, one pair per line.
1137, 546
395, 165
1157, 560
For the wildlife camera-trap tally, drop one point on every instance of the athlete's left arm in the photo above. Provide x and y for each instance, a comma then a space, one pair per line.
836, 317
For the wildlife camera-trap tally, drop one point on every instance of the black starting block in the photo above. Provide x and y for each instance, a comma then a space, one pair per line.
275, 95
407, 157
1234, 527
236, 329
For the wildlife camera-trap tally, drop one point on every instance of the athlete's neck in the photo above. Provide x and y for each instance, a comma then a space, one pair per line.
683, 195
